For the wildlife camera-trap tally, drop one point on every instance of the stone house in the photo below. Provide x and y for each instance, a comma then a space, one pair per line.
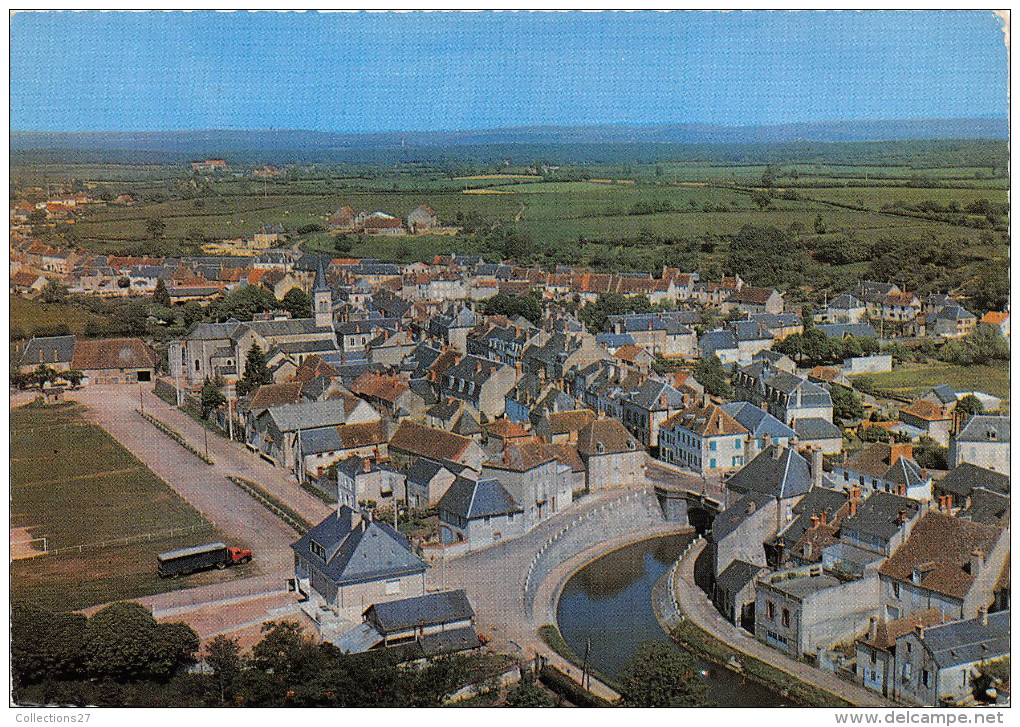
480, 512
611, 455
645, 409
350, 561
749, 300
883, 467
876, 648
983, 441
114, 361
422, 219
946, 563
366, 479
535, 478
703, 438
427, 481
480, 382
934, 666
959, 484
563, 427
734, 593
930, 419
805, 610
413, 440
784, 395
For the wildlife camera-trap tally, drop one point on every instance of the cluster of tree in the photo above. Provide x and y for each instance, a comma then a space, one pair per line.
985, 345
660, 674
846, 404
813, 347
43, 375
767, 257
595, 314
121, 656
503, 304
121, 644
921, 264
710, 373
243, 303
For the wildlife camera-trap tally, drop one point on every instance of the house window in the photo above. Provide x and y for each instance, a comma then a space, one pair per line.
317, 550
711, 464
906, 671
737, 444
786, 617
896, 589
711, 446
392, 587
770, 610
925, 676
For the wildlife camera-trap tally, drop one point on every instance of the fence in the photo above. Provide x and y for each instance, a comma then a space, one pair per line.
664, 602
296, 521
173, 434
141, 538
612, 519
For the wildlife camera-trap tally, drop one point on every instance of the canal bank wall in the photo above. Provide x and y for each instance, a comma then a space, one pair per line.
690, 618
547, 593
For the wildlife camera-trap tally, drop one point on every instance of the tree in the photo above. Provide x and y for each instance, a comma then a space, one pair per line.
846, 404
930, 455
256, 373
192, 312
503, 304
161, 296
769, 176
124, 643
223, 655
155, 227
529, 694
53, 292
594, 315
760, 198
212, 398
284, 650
344, 243
767, 257
297, 303
245, 302
73, 377
970, 405
46, 646
661, 675
43, 375
711, 374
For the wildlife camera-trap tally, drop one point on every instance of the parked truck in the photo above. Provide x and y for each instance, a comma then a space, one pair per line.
199, 557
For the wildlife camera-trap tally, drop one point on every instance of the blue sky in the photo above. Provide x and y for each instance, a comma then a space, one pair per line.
450, 71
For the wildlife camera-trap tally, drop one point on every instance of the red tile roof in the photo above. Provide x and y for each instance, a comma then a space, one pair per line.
112, 353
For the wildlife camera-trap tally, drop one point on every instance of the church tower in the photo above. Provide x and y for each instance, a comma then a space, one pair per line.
322, 300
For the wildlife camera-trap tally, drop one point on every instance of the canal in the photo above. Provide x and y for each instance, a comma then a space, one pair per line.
609, 601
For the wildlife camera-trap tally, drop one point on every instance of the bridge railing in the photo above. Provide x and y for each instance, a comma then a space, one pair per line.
664, 601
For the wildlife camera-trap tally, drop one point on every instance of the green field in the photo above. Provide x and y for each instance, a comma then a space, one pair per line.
31, 317
913, 380
73, 484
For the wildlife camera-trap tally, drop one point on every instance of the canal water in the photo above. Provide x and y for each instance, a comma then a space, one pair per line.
610, 602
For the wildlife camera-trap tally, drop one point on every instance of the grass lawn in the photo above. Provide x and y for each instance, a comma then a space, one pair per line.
31, 316
73, 484
913, 380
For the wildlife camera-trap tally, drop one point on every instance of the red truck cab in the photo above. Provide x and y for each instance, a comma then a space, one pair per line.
239, 555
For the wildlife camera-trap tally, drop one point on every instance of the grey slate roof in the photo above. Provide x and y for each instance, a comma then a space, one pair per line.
803, 587
48, 350
432, 609
449, 641
758, 421
964, 642
730, 519
213, 331
422, 471
985, 428
471, 500
944, 393
967, 476
309, 415
647, 396
713, 341
778, 472
986, 507
841, 330
877, 515
355, 553
737, 575
816, 428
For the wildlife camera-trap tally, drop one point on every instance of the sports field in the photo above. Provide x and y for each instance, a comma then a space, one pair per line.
103, 514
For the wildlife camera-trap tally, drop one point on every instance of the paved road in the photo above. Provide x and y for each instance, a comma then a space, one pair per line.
699, 609
206, 487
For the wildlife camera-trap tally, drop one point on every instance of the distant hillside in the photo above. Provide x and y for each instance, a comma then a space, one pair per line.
220, 141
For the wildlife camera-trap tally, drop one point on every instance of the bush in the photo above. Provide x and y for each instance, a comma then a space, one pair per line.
570, 690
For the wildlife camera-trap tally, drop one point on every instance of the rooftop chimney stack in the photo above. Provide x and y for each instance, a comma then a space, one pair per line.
816, 466
920, 631
983, 615
977, 561
872, 628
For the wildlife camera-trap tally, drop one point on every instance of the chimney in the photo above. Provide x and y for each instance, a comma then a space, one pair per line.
977, 561
816, 466
983, 615
920, 631
367, 464
872, 629
478, 367
824, 517
751, 507
814, 521
901, 516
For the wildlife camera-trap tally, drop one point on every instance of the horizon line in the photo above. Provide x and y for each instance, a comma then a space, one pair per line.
608, 124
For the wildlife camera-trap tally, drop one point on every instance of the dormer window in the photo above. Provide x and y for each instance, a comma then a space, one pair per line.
317, 550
